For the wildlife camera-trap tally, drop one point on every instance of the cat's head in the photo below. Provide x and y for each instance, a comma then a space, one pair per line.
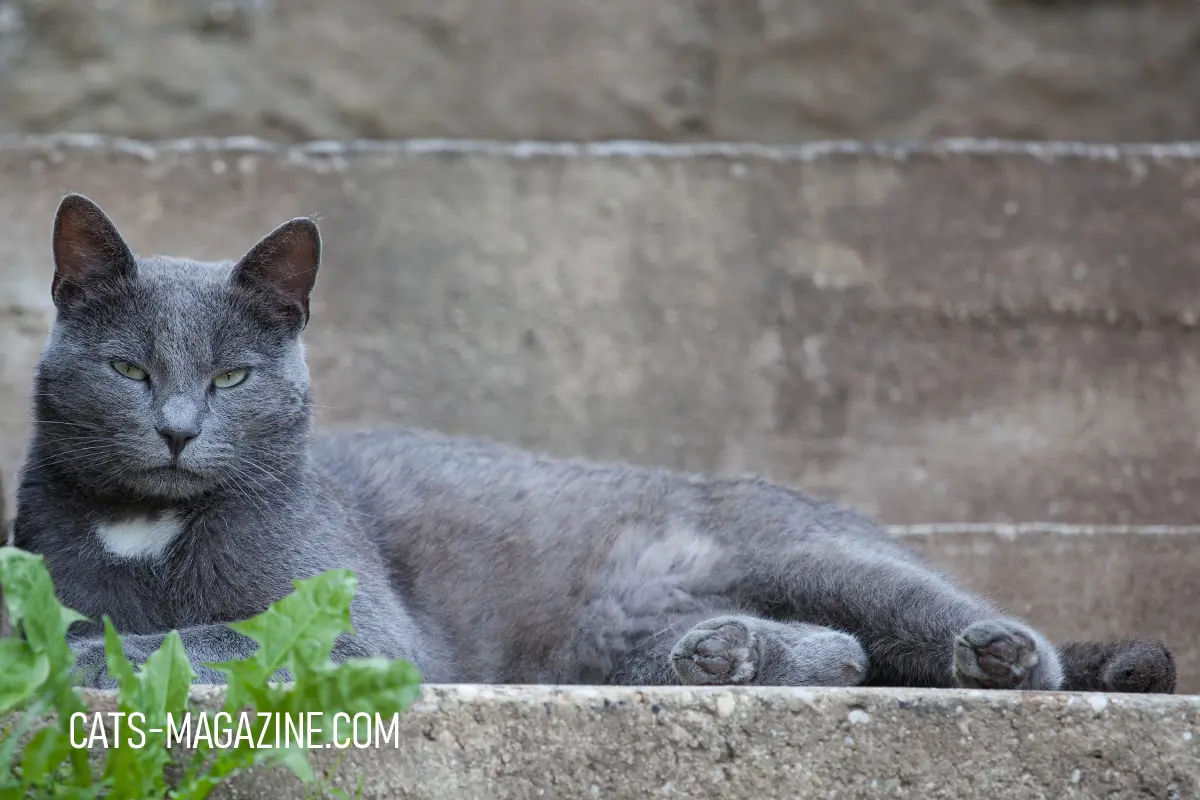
165, 378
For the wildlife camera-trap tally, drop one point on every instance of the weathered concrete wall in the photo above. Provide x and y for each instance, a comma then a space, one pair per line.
577, 69
1080, 583
941, 334
526, 742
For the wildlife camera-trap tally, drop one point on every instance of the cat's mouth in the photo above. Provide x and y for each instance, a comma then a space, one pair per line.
174, 468
173, 480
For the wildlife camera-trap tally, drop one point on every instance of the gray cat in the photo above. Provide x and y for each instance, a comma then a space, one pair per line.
173, 482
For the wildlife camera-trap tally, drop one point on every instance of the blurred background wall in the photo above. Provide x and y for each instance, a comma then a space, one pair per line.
760, 70
932, 334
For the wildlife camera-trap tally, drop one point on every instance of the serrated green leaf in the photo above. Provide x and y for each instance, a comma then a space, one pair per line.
42, 621
297, 633
23, 672
166, 678
158, 689
115, 658
362, 685
297, 630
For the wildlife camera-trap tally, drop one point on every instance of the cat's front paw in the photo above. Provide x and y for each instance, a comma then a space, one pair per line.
1003, 654
721, 650
91, 668
91, 664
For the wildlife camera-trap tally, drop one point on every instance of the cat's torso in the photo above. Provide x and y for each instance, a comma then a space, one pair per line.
494, 552
503, 550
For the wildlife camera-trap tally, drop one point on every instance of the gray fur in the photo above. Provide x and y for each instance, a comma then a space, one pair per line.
478, 562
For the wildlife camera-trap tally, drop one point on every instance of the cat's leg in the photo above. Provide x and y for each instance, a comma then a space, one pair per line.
741, 649
702, 648
687, 640
918, 628
204, 644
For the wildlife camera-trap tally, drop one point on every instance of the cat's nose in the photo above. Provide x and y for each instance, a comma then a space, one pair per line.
177, 438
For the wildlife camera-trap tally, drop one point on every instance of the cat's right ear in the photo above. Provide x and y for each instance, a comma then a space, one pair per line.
283, 265
87, 247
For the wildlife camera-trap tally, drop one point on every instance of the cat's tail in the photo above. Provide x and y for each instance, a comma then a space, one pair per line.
1138, 666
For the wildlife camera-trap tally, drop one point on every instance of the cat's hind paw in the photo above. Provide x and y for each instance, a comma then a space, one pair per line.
998, 654
721, 650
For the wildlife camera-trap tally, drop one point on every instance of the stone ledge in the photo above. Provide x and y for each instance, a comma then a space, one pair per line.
613, 148
541, 741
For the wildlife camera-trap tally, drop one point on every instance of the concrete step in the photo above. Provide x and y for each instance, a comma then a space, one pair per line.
961, 331
529, 742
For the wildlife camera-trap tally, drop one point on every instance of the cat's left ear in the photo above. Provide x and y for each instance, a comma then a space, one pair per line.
87, 248
284, 264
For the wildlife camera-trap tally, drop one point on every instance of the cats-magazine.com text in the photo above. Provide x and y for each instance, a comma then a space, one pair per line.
222, 731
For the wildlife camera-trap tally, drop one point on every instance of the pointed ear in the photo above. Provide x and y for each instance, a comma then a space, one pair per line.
284, 264
87, 247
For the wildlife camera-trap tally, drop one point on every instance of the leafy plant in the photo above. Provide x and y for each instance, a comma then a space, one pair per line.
296, 633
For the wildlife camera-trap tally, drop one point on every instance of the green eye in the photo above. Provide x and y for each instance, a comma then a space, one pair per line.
227, 380
129, 370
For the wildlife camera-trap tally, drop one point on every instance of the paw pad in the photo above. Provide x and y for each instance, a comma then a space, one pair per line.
717, 651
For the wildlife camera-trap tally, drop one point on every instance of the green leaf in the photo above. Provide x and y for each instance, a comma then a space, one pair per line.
147, 697
24, 722
23, 672
362, 685
296, 633
300, 628
114, 656
48, 748
296, 760
167, 678
33, 607
37, 614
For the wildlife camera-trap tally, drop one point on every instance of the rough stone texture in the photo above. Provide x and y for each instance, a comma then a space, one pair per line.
518, 742
576, 69
940, 334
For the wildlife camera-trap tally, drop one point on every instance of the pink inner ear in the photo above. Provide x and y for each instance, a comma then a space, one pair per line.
298, 256
285, 261
86, 244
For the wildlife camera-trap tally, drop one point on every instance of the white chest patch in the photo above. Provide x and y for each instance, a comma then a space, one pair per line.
142, 537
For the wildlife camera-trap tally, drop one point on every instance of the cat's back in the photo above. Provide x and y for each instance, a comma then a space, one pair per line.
390, 469
482, 488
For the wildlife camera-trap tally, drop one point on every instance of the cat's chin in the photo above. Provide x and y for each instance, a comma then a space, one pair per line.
170, 483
